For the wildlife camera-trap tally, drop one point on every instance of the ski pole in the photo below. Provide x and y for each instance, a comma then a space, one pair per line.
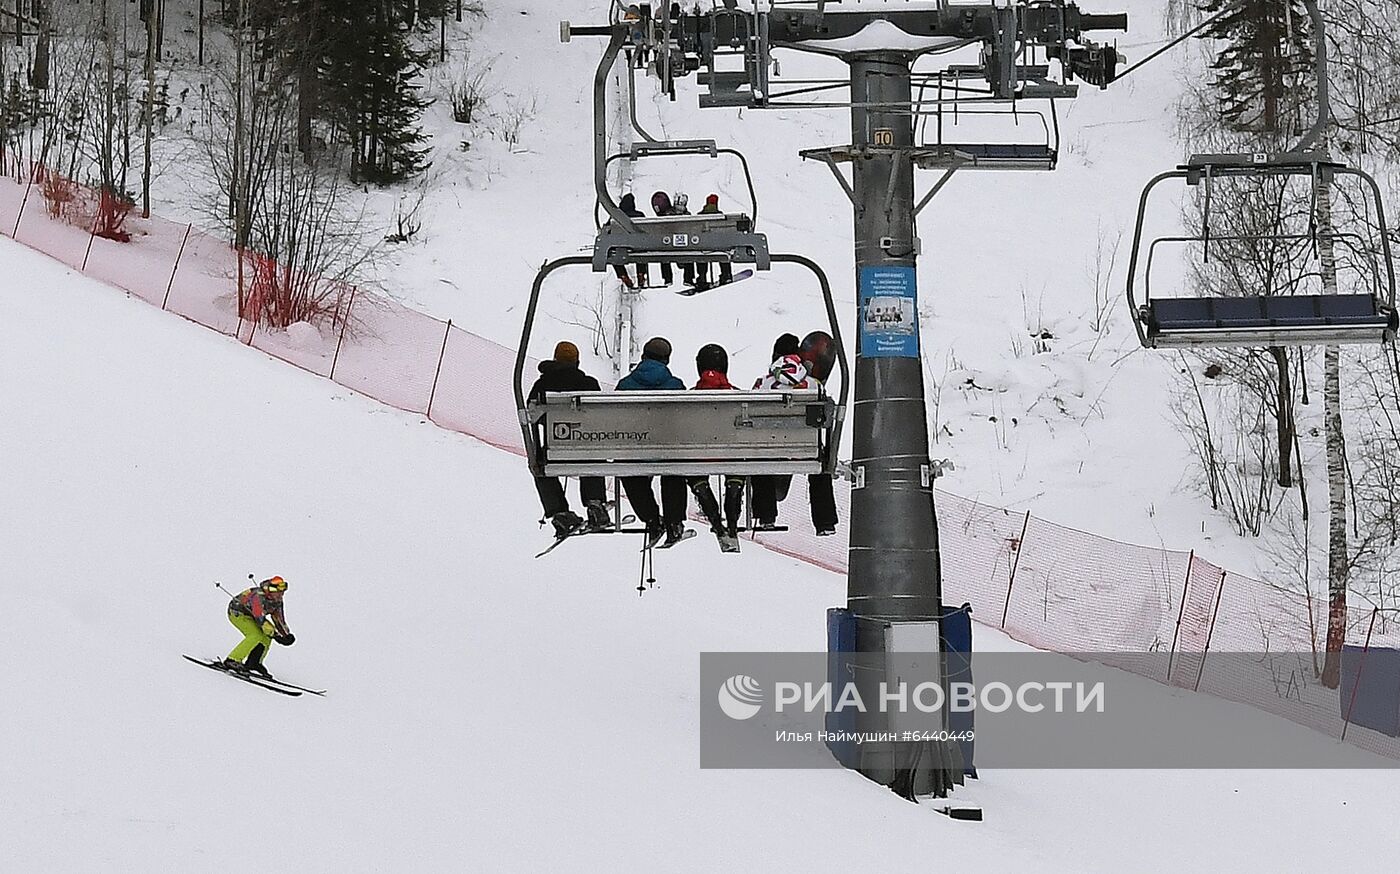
220, 586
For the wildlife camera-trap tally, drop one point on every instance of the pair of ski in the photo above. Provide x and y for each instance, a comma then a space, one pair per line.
726, 543
607, 529
272, 683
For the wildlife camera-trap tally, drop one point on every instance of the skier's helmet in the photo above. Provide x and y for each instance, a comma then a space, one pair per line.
712, 357
818, 353
273, 584
681, 200
661, 203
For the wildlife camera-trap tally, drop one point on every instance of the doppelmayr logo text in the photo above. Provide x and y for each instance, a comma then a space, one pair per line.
743, 697
574, 431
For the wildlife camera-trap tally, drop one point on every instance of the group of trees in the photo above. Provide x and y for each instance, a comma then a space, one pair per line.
1276, 235
295, 102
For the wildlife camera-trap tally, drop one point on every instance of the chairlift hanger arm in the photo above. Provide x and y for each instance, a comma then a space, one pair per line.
632, 101
617, 37
835, 324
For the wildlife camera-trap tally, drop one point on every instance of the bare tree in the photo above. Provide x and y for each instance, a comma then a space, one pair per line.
300, 246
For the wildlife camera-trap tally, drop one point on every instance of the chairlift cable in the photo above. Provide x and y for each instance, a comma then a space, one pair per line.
1176, 42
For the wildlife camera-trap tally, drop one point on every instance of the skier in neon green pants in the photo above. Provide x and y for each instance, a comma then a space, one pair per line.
257, 613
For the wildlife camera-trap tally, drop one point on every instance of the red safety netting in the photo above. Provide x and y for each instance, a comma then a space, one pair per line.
12, 200
473, 393
310, 345
389, 352
143, 266
205, 287
1078, 592
1195, 622
978, 546
58, 218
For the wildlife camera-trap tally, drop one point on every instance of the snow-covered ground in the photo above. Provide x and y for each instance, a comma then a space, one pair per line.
486, 711
491, 712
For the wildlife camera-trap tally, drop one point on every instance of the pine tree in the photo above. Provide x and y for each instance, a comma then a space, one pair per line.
367, 79
1264, 72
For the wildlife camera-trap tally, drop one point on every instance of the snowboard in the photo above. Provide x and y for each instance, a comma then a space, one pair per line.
691, 290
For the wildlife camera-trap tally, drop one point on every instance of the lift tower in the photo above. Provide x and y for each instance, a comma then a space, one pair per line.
894, 569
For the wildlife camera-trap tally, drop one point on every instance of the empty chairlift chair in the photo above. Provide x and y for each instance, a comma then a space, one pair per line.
1365, 314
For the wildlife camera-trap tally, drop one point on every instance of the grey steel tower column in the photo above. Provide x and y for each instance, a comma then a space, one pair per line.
894, 567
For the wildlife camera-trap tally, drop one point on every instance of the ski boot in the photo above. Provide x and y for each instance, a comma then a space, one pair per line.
727, 542
566, 522
654, 533
234, 666
675, 533
598, 518
825, 532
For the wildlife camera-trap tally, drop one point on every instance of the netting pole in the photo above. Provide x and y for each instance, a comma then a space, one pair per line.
437, 373
1360, 668
341, 339
1210, 633
92, 234
176, 266
1015, 562
14, 233
1180, 611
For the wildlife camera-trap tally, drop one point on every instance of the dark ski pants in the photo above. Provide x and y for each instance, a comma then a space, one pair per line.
621, 273
643, 499
591, 488
768, 491
709, 506
726, 273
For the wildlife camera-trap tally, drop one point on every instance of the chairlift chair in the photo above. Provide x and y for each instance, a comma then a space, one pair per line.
1265, 320
1273, 320
689, 433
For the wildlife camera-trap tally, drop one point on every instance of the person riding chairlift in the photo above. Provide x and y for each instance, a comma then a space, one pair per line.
653, 373
789, 372
562, 373
712, 363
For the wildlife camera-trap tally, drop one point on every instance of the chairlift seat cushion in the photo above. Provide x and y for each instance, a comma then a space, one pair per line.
1268, 320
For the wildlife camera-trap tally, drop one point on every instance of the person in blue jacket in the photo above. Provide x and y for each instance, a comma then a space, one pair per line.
653, 373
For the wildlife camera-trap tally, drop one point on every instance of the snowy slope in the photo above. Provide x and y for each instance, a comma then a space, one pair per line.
487, 712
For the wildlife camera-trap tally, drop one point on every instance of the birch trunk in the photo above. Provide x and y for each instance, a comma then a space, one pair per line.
1338, 569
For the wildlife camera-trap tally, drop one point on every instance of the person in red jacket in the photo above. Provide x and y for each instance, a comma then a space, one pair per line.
257, 612
712, 362
726, 270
